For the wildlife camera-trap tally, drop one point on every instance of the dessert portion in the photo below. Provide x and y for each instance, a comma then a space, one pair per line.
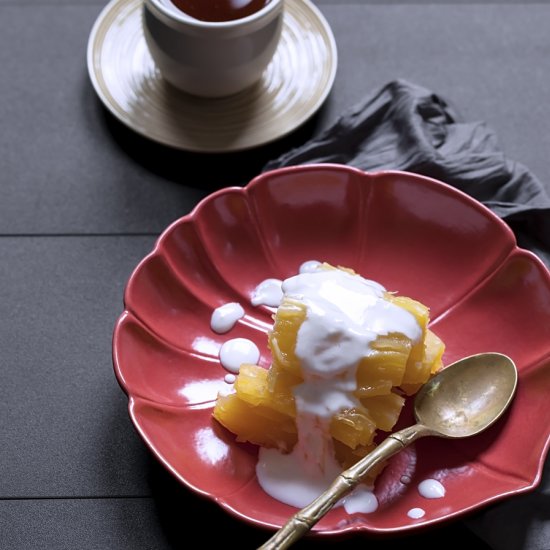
345, 354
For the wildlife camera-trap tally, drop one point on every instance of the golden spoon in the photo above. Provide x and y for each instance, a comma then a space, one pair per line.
460, 401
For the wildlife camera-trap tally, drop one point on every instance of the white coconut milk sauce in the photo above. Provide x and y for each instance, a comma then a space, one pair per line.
431, 488
226, 390
267, 293
345, 313
416, 513
361, 501
237, 351
224, 317
230, 378
309, 266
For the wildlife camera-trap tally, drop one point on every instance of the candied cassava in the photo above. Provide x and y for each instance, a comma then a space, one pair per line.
262, 408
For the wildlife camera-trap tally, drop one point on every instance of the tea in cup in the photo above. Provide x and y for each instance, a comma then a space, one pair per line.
219, 10
212, 48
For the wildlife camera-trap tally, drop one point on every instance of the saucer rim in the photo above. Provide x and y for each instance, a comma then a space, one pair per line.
95, 73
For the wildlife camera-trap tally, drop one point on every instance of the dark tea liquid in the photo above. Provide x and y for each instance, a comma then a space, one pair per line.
219, 10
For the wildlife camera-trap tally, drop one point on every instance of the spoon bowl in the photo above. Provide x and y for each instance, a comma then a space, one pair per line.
468, 396
462, 400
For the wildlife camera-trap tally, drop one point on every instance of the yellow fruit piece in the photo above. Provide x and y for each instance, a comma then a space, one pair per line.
252, 386
384, 367
251, 423
384, 409
431, 363
415, 370
353, 427
434, 349
280, 380
282, 339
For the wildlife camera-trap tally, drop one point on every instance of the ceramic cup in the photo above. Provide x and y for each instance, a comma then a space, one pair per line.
211, 59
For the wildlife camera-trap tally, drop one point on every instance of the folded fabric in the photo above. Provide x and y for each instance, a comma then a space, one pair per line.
404, 126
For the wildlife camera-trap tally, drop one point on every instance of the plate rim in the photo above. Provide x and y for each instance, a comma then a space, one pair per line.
514, 250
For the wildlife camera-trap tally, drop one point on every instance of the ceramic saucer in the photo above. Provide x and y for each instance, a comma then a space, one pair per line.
293, 87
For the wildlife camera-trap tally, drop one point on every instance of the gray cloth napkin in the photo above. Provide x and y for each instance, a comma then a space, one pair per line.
404, 126
407, 127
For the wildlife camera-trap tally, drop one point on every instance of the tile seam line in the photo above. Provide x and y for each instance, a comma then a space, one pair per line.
78, 235
35, 4
74, 497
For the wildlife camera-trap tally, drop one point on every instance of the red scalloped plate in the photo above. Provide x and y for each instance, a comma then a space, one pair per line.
414, 235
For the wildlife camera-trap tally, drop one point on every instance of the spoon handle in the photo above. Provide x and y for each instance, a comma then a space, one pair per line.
302, 521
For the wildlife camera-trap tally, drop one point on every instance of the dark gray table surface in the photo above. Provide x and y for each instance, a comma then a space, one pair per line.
83, 199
